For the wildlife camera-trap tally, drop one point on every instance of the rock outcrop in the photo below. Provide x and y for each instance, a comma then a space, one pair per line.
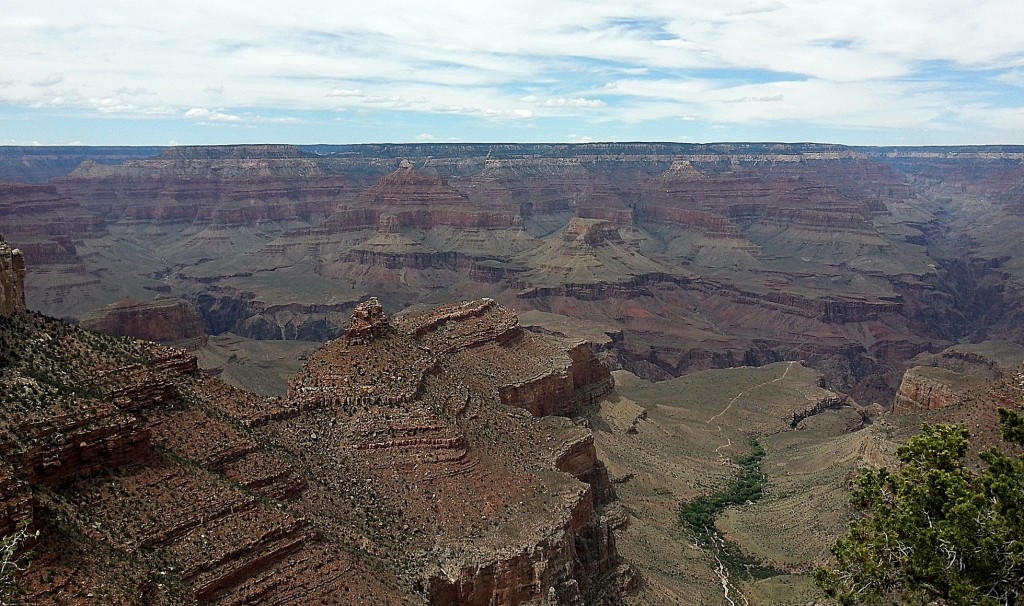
164, 320
368, 322
589, 251
566, 388
12, 280
930, 388
438, 373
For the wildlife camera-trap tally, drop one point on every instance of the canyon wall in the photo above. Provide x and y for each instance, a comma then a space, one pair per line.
170, 321
703, 255
930, 388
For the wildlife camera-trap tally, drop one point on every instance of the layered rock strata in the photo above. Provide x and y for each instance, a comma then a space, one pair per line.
436, 372
712, 255
930, 388
395, 471
169, 321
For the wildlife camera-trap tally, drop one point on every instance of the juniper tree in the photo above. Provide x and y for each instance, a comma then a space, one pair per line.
934, 531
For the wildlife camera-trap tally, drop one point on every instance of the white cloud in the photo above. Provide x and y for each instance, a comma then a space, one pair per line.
563, 102
278, 120
113, 105
199, 113
345, 92
424, 137
1014, 77
485, 112
597, 61
138, 90
867, 104
1004, 120
47, 82
211, 116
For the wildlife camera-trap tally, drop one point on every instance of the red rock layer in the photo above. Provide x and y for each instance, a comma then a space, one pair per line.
393, 471
930, 388
40, 211
45, 225
227, 186
172, 321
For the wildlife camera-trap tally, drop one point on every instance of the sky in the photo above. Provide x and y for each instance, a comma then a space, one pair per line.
856, 72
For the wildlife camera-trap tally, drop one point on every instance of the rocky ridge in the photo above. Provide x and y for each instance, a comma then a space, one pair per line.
399, 469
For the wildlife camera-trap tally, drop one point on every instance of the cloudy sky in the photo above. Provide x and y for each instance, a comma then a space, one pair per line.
862, 72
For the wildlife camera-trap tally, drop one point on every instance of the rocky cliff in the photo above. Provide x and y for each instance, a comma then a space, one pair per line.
930, 388
970, 397
167, 320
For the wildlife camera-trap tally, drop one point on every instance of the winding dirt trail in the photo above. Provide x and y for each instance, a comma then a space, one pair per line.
750, 389
718, 428
720, 568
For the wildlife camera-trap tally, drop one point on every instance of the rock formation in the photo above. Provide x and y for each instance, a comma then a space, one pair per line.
589, 251
12, 280
855, 259
368, 322
169, 321
972, 398
47, 226
930, 388
411, 462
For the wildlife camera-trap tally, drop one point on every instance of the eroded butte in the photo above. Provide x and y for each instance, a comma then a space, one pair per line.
426, 458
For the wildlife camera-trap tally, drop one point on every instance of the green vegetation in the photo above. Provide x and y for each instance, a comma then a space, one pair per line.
935, 531
48, 364
699, 514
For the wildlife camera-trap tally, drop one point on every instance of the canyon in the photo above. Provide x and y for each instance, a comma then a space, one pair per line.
481, 374
853, 260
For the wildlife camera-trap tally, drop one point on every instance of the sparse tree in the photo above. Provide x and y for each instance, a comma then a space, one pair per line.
934, 531
14, 559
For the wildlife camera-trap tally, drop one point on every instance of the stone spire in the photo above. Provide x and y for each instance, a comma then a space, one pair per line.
12, 280
368, 322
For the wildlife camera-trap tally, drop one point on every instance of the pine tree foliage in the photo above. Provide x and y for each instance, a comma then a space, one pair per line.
935, 531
